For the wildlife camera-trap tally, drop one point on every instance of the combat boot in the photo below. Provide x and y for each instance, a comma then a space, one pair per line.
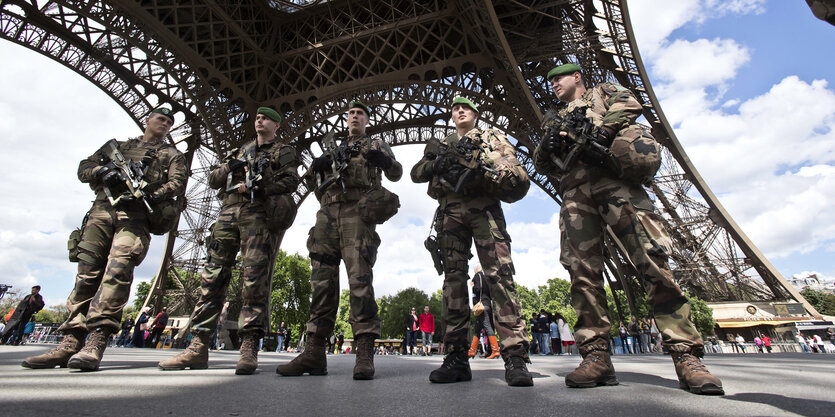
694, 376
60, 355
196, 356
516, 372
456, 367
494, 347
473, 348
312, 361
249, 356
595, 369
364, 365
89, 357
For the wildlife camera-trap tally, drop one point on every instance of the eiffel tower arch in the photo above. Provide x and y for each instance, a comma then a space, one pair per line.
215, 62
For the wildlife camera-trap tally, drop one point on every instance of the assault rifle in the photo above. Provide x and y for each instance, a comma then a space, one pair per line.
132, 172
469, 159
583, 137
340, 155
252, 175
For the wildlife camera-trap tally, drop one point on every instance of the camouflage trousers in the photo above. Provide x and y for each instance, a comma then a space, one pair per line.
243, 227
340, 234
586, 210
112, 244
462, 224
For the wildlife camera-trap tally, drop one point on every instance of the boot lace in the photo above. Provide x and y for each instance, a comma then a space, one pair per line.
692, 362
516, 363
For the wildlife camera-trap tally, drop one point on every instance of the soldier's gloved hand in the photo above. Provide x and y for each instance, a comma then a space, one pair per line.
262, 164
321, 163
552, 143
112, 177
235, 165
378, 158
104, 169
441, 164
155, 198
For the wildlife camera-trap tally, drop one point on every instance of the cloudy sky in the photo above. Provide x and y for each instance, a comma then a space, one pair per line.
745, 83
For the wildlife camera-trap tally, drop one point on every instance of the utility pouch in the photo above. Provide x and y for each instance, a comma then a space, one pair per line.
378, 205
75, 239
281, 212
165, 215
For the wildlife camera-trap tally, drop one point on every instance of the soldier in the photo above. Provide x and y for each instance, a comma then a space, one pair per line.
352, 204
256, 183
469, 191
114, 240
605, 189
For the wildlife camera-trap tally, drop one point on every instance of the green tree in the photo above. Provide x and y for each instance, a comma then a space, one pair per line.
342, 325
529, 301
54, 314
290, 296
701, 314
143, 288
436, 307
823, 302
393, 311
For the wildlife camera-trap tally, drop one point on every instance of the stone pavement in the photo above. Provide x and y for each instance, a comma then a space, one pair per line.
129, 384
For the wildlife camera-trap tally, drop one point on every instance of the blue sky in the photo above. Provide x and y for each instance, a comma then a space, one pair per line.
746, 83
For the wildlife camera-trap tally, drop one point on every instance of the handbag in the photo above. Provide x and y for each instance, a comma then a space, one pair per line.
478, 309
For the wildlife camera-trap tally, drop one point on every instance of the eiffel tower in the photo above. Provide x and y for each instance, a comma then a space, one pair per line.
215, 62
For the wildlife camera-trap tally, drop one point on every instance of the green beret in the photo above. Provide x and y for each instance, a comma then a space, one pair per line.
462, 100
356, 104
165, 111
272, 114
562, 70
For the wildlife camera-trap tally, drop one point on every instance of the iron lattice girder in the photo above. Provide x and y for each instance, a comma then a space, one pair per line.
217, 60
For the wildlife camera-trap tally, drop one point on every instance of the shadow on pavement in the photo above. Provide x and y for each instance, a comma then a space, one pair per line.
804, 406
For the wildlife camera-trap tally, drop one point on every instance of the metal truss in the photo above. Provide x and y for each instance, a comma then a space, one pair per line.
217, 61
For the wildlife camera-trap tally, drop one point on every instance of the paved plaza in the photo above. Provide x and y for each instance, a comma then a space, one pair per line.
129, 384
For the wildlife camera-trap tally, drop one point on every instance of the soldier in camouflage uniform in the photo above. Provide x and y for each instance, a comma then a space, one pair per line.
474, 213
600, 191
345, 230
113, 242
247, 222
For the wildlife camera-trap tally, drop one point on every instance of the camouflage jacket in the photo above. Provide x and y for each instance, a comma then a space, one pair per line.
359, 176
612, 108
499, 155
280, 175
166, 176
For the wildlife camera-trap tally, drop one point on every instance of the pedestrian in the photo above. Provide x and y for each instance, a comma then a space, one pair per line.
634, 335
427, 329
352, 204
281, 333
740, 341
534, 341
566, 335
157, 327
819, 344
412, 328
125, 334
141, 327
255, 183
340, 340
645, 335
470, 210
766, 341
556, 347
115, 237
758, 343
484, 320
801, 341
26, 308
544, 332
603, 189
624, 338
